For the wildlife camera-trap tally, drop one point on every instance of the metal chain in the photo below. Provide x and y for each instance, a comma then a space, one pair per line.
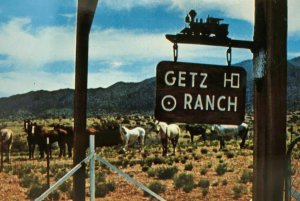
229, 56
175, 52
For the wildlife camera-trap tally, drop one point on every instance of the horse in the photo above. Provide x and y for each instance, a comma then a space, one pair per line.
129, 136
66, 134
231, 130
6, 138
53, 136
167, 132
196, 130
32, 138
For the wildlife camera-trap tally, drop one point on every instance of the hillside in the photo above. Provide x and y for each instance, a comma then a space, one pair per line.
120, 98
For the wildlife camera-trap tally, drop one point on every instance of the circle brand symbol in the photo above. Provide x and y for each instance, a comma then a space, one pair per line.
168, 103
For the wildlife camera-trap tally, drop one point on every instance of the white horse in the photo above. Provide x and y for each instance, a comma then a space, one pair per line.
231, 130
6, 138
167, 132
130, 136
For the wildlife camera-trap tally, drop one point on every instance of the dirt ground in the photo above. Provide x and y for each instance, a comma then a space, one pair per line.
10, 189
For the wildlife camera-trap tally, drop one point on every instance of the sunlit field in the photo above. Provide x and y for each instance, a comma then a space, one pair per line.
198, 171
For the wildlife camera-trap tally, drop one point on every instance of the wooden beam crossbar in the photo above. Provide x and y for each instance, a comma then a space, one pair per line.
213, 41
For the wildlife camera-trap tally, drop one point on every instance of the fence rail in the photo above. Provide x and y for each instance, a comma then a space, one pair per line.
289, 190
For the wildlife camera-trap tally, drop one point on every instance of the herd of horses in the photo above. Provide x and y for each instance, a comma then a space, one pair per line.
44, 137
171, 132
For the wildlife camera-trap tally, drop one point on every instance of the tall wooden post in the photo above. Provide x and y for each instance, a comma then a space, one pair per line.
270, 74
85, 15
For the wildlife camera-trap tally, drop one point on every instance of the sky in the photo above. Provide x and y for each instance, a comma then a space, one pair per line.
127, 40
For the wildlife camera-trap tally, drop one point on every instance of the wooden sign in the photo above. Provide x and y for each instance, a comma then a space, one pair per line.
200, 93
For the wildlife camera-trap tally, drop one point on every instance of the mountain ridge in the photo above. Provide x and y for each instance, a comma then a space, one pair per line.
121, 98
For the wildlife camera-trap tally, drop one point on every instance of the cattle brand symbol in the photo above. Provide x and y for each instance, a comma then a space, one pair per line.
200, 93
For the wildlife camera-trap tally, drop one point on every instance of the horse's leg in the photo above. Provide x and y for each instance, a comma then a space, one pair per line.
204, 137
125, 146
141, 141
69, 144
165, 146
222, 142
29, 150
8, 153
174, 142
244, 137
32, 150
192, 137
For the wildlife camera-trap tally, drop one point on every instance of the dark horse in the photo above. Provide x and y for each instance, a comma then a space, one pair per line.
33, 138
65, 134
196, 130
38, 135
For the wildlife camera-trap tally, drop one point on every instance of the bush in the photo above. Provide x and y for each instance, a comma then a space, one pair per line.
247, 176
151, 172
103, 188
238, 190
184, 181
203, 183
28, 180
230, 154
188, 166
204, 192
221, 169
36, 190
145, 168
204, 150
203, 171
156, 187
166, 172
224, 182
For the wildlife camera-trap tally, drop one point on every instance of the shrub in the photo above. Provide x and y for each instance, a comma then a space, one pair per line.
103, 188
221, 168
203, 183
204, 192
184, 181
188, 166
224, 182
28, 180
203, 171
36, 190
151, 172
145, 168
65, 186
229, 154
156, 187
238, 190
166, 172
247, 176
204, 150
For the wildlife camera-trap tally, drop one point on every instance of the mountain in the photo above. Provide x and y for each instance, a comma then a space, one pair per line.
120, 98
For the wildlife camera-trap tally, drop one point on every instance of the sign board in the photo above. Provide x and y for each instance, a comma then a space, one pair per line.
200, 93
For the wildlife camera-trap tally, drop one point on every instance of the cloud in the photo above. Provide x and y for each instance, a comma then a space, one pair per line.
293, 18
128, 55
21, 82
231, 8
236, 9
26, 47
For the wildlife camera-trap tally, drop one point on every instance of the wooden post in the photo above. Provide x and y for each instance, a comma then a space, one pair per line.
270, 75
85, 15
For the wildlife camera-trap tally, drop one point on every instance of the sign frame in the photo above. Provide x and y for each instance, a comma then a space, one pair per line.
198, 93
